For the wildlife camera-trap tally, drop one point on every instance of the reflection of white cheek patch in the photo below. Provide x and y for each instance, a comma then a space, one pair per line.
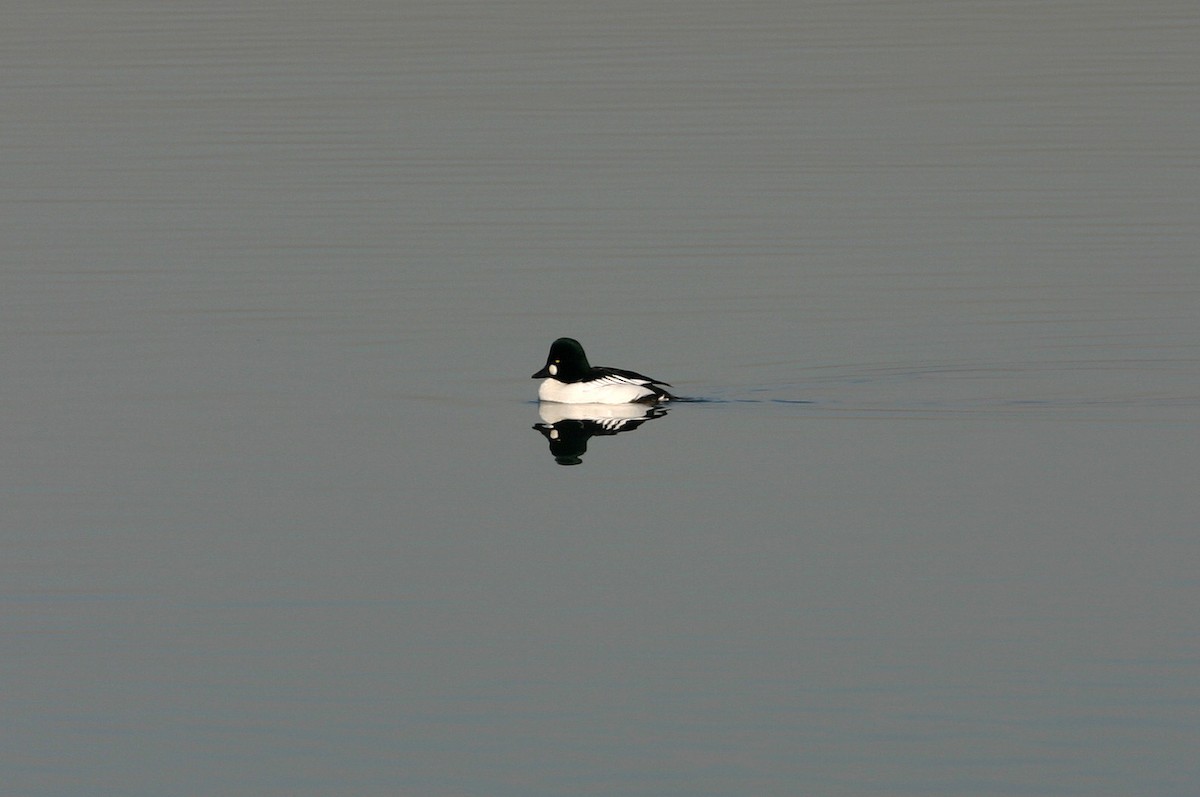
553, 370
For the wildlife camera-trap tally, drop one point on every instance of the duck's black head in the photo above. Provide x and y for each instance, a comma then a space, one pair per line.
566, 361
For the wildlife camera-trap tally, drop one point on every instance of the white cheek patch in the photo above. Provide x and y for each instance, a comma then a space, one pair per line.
553, 369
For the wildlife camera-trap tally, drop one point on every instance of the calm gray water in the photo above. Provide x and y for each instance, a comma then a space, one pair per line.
275, 519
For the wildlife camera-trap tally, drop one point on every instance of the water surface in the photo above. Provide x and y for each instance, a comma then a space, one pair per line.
275, 518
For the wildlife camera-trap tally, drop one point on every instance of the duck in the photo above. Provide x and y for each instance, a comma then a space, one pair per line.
570, 379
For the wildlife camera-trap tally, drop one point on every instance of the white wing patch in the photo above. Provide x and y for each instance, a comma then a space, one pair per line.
617, 379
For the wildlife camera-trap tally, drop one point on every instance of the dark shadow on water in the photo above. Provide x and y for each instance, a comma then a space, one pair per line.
569, 427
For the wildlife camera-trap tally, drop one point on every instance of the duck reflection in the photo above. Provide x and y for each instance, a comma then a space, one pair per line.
568, 427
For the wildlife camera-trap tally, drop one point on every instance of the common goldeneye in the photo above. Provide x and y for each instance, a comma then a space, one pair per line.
571, 380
